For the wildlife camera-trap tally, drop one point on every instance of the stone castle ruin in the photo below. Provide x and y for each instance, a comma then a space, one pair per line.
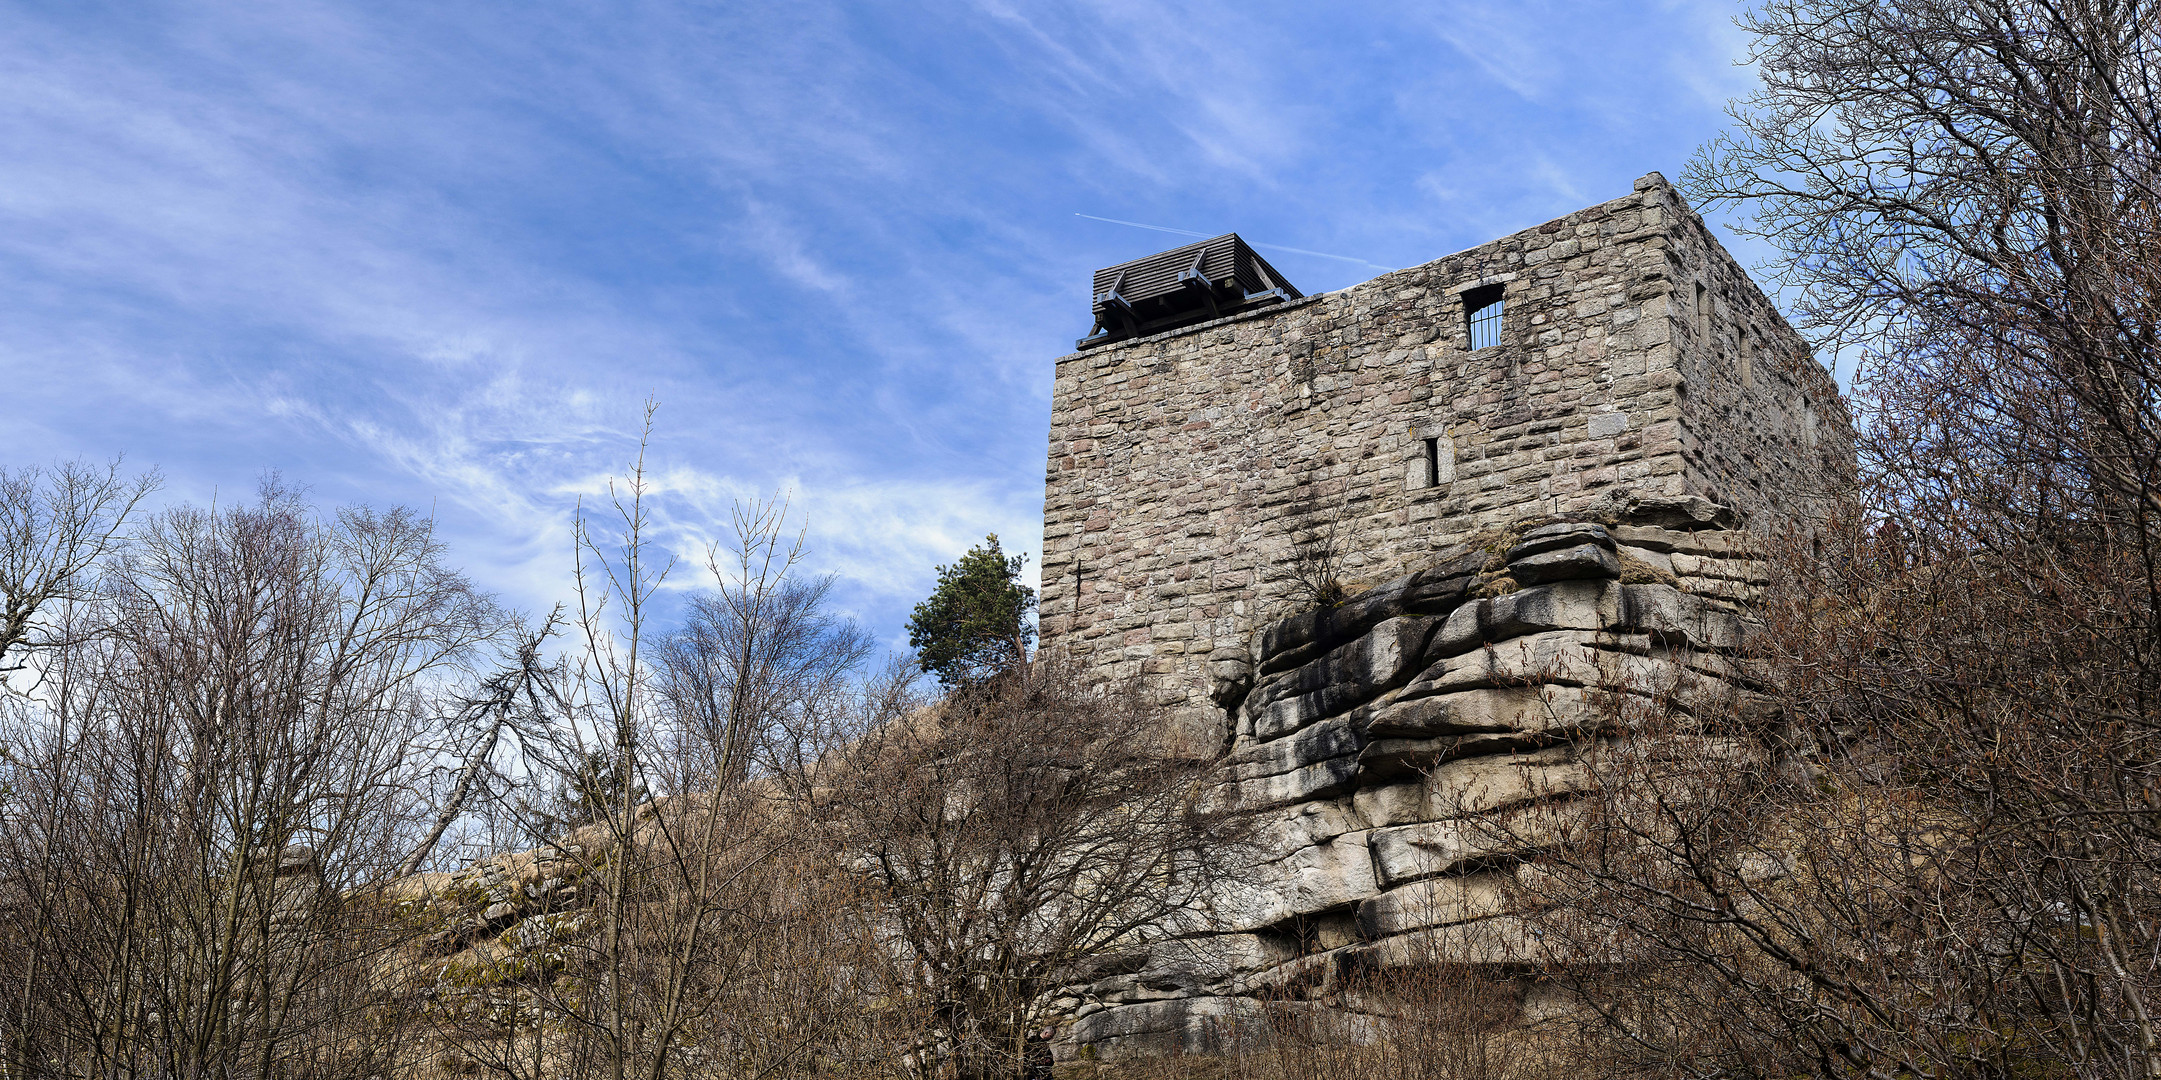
1381, 544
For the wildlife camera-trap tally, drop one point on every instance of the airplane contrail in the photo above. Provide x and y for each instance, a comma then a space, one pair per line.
1271, 247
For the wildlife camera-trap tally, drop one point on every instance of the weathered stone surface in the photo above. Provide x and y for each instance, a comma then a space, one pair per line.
1717, 542
1230, 673
1409, 852
1158, 1028
1562, 657
1493, 709
1675, 512
1387, 760
1565, 534
1350, 675
1390, 804
1737, 592
1502, 939
1676, 617
1311, 879
1581, 561
1751, 571
1566, 605
1478, 785
1296, 640
1642, 566
1436, 902
1307, 825
1319, 780
1333, 738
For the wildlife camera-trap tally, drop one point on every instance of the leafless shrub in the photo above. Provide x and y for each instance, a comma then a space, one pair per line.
1012, 832
1434, 1019
1312, 574
709, 937
1928, 849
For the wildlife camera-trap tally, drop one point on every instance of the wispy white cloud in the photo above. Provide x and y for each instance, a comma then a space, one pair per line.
438, 254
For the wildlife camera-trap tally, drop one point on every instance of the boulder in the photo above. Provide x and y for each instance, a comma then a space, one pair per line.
1160, 1028
1566, 657
1752, 571
1385, 761
1409, 852
1479, 785
1344, 678
1310, 880
1566, 534
1673, 617
1716, 542
1383, 805
1640, 566
1315, 823
1437, 590
1581, 561
1506, 940
1230, 671
1677, 512
1494, 709
1313, 745
1436, 902
1613, 660
1321, 780
1565, 605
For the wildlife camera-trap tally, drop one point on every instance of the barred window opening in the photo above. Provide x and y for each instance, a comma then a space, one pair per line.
1482, 307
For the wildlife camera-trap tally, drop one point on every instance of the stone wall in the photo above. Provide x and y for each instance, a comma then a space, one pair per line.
1638, 360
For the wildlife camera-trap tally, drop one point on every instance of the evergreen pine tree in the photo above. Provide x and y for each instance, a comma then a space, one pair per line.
976, 622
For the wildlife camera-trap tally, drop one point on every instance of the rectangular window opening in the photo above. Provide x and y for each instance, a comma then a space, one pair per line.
1433, 463
1482, 311
1703, 314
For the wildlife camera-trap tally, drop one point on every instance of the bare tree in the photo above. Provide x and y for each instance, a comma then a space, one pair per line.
711, 926
1012, 832
514, 711
1953, 873
203, 790
1436, 1019
759, 657
55, 526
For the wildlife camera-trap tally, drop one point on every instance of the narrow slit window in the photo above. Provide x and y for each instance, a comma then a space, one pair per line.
1703, 313
1482, 309
1433, 463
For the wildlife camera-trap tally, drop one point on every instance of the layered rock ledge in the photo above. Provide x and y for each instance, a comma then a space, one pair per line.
1409, 750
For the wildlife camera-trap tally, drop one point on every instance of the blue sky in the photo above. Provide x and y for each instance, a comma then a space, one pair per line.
437, 253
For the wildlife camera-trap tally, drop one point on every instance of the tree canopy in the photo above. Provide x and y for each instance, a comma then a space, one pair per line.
976, 622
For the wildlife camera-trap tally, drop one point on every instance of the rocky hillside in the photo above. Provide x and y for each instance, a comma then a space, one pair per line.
1406, 750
